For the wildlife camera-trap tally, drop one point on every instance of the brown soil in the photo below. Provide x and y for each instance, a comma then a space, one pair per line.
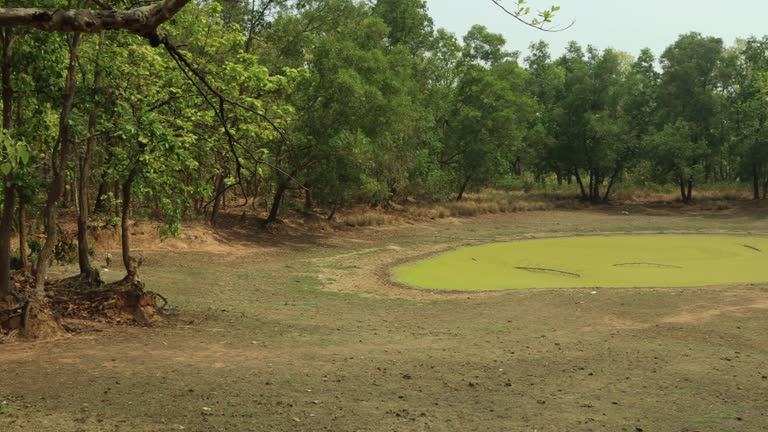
304, 332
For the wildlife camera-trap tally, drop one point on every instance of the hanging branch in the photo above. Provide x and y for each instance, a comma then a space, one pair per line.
191, 72
539, 23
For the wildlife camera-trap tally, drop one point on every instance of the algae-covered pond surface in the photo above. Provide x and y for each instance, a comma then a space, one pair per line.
621, 261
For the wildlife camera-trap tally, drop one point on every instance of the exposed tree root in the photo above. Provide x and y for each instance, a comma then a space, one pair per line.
76, 298
646, 264
551, 271
123, 301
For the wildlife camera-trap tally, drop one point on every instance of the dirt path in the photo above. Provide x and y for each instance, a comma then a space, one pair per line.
309, 336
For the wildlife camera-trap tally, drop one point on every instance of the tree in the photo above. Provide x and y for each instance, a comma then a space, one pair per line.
687, 86
676, 155
746, 109
489, 115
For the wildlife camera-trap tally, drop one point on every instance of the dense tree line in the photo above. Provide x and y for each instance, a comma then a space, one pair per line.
342, 102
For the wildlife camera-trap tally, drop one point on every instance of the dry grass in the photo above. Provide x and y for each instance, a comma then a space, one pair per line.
368, 218
715, 194
488, 201
494, 201
474, 204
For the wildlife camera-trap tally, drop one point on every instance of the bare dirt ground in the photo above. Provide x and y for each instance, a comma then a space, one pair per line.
305, 333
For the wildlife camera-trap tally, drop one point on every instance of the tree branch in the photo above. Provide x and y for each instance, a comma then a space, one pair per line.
142, 20
537, 23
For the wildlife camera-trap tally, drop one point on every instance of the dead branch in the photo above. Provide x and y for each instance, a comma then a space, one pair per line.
647, 264
547, 270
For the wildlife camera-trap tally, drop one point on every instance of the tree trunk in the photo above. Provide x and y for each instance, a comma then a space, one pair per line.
611, 182
333, 212
131, 264
463, 188
9, 189
88, 273
56, 189
101, 205
23, 256
689, 197
755, 182
683, 195
68, 197
765, 187
6, 223
596, 191
581, 184
276, 201
309, 203
219, 191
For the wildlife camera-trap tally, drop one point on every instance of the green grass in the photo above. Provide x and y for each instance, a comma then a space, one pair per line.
598, 261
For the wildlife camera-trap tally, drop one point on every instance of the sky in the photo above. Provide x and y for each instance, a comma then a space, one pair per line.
627, 25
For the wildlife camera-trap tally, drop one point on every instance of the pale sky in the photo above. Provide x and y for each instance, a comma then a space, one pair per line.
627, 25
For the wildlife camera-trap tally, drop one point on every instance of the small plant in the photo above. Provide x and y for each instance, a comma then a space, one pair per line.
35, 247
65, 251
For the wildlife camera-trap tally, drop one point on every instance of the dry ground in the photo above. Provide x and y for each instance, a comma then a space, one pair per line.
304, 333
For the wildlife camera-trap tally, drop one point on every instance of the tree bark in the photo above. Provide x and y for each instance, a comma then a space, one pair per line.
219, 189
333, 212
463, 188
755, 181
9, 189
683, 195
765, 187
689, 197
584, 195
142, 21
596, 186
88, 273
23, 256
276, 201
64, 144
131, 265
611, 182
6, 224
100, 206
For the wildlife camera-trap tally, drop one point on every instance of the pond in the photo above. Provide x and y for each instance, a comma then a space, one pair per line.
619, 261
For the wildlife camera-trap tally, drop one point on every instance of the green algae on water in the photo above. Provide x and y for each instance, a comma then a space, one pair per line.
622, 261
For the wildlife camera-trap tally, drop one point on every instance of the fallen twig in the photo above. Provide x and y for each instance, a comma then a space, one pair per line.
753, 248
546, 270
647, 264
